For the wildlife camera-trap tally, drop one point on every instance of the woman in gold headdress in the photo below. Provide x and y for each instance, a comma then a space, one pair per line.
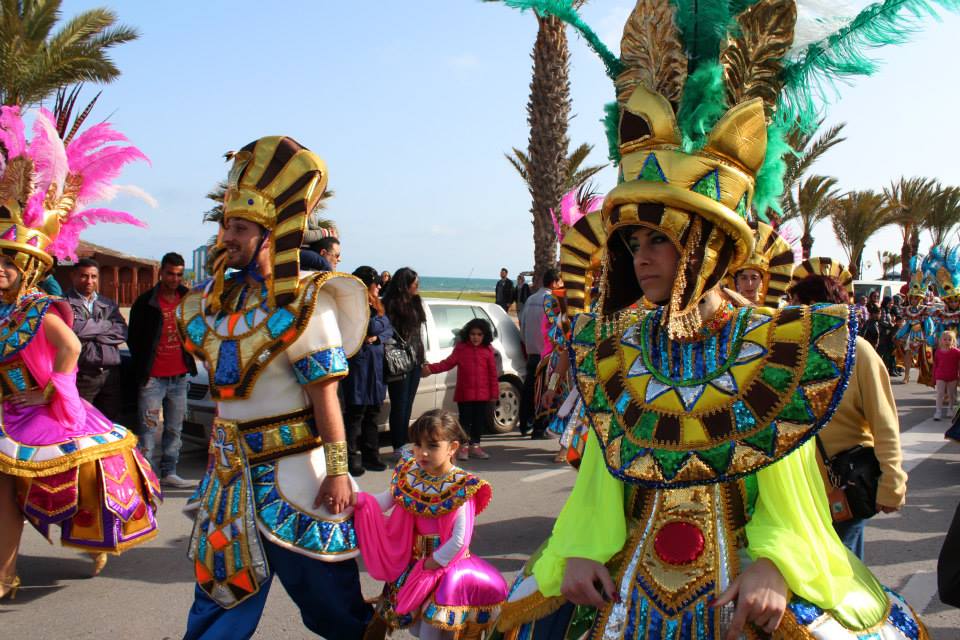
61, 461
699, 511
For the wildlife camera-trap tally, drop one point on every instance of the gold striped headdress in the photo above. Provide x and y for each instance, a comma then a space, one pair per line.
772, 257
581, 252
274, 182
824, 267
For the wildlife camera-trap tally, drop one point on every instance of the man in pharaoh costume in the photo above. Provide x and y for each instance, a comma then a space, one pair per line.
699, 510
276, 497
764, 277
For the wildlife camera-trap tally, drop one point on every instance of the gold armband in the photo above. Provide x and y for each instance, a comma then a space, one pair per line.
48, 392
335, 454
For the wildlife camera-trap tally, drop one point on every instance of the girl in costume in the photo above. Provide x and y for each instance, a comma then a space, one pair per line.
422, 550
61, 461
916, 337
477, 384
698, 510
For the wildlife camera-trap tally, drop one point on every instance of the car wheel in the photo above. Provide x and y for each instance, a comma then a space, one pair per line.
506, 414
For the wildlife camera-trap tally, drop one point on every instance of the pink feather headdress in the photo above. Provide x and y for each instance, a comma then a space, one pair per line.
47, 186
574, 205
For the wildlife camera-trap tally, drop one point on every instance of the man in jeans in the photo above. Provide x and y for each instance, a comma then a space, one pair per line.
161, 365
101, 330
531, 326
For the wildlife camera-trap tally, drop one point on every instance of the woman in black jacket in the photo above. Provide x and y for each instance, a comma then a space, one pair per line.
364, 388
405, 311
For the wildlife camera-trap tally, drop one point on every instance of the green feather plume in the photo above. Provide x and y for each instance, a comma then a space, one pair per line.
703, 27
768, 187
846, 54
611, 124
703, 103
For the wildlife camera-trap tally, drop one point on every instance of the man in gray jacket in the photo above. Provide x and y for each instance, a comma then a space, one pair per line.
101, 329
531, 326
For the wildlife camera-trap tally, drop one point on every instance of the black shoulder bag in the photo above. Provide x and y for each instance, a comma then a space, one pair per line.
398, 358
855, 476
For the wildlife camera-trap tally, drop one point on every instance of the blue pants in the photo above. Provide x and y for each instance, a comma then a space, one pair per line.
327, 593
170, 396
851, 535
402, 394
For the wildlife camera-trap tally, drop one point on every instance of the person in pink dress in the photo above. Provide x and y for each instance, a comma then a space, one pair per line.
61, 461
434, 586
946, 370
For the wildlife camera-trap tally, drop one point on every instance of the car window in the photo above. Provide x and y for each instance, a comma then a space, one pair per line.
480, 313
449, 319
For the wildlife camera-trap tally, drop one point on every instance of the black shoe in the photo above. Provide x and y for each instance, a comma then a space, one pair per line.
374, 465
524, 430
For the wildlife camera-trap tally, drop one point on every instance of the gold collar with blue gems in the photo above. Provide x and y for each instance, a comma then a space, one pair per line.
237, 346
670, 414
422, 494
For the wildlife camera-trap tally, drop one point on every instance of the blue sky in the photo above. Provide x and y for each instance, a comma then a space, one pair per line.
412, 105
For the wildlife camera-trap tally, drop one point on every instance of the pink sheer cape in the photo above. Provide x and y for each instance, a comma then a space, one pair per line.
66, 416
386, 544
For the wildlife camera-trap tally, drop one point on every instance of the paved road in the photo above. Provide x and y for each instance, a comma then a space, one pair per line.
146, 593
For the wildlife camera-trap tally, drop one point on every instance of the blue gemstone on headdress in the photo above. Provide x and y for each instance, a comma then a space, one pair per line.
250, 201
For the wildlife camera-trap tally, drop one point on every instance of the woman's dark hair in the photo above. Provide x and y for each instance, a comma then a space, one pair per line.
370, 277
477, 323
404, 310
814, 289
437, 425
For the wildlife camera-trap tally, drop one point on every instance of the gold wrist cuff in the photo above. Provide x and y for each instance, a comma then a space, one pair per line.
335, 453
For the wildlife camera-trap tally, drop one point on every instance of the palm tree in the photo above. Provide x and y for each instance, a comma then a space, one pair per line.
575, 174
944, 213
856, 217
807, 151
35, 61
813, 202
888, 260
909, 199
548, 114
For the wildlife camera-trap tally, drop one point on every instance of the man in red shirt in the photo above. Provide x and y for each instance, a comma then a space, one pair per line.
161, 366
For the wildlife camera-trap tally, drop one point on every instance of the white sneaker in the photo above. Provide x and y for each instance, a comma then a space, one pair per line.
175, 481
936, 415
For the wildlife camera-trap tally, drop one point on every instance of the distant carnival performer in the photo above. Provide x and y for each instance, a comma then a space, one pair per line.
942, 267
915, 339
61, 461
764, 277
276, 497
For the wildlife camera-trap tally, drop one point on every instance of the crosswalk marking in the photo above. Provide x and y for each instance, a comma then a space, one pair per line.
547, 474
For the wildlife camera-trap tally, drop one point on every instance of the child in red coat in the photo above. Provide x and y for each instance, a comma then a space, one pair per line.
477, 384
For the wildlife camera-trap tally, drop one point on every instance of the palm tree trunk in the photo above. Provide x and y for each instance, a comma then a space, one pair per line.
548, 113
905, 254
806, 244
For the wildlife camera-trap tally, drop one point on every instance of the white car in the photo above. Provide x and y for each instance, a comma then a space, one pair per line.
444, 320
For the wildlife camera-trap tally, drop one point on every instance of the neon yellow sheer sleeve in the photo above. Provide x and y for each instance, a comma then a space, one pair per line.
791, 527
591, 524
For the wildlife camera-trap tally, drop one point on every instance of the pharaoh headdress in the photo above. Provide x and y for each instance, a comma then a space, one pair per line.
918, 280
707, 93
942, 266
827, 267
772, 258
48, 184
274, 182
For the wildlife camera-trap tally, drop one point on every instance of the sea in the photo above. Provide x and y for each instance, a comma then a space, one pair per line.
434, 283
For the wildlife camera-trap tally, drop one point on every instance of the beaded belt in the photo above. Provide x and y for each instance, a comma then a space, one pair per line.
424, 546
15, 378
265, 439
